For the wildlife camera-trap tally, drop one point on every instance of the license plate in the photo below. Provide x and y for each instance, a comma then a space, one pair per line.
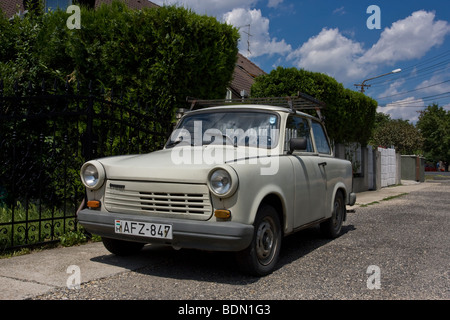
143, 229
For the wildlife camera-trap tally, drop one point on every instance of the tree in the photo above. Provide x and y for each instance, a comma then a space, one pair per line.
401, 134
160, 55
434, 124
349, 115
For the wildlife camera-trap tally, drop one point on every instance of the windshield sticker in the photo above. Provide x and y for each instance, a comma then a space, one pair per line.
273, 120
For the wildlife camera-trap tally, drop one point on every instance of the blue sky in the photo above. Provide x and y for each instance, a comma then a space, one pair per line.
333, 37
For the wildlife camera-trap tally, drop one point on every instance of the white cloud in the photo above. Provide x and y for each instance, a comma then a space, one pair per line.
437, 84
240, 14
216, 8
259, 41
393, 89
405, 109
331, 53
274, 3
340, 11
407, 39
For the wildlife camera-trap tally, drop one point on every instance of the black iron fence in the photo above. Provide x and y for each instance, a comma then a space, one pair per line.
45, 137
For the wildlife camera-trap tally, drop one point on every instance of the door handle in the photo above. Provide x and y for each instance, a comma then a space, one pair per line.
322, 164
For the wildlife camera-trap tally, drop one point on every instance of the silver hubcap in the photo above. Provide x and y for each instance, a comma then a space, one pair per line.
266, 241
337, 214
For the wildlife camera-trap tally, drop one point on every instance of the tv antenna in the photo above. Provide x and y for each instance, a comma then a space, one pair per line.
248, 37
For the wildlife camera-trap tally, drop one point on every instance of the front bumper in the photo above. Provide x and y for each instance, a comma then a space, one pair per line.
204, 235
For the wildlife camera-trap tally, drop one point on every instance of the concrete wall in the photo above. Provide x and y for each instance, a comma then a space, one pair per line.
413, 168
378, 168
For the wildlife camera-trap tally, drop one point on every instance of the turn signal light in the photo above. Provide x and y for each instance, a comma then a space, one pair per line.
222, 214
93, 204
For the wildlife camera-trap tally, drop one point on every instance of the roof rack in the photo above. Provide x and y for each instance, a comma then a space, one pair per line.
299, 102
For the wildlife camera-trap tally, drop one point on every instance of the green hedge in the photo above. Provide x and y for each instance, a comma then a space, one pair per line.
349, 115
161, 54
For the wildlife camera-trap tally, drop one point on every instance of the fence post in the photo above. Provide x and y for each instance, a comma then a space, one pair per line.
87, 139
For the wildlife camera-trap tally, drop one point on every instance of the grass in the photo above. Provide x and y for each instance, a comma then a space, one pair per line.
436, 177
384, 199
36, 227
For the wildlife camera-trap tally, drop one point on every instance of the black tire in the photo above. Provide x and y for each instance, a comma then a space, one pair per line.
333, 226
261, 256
121, 247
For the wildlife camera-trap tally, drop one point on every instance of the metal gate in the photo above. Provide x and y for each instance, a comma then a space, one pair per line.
45, 137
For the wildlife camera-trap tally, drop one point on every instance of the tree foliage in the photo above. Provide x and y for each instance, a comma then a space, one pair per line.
160, 54
349, 115
401, 134
434, 124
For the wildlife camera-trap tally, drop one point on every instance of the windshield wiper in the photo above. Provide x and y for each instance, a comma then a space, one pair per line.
225, 137
174, 143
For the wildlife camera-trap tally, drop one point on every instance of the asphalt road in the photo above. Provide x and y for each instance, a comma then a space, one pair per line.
394, 249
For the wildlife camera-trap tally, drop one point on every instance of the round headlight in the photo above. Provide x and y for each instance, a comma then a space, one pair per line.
92, 174
222, 182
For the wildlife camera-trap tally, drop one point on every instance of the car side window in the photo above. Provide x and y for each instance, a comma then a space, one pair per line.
320, 138
297, 127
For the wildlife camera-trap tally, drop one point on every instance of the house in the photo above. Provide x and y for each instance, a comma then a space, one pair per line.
244, 75
12, 7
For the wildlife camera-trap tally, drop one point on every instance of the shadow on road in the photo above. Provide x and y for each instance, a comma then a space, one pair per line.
218, 267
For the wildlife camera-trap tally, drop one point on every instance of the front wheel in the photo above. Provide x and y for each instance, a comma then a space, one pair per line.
260, 258
333, 226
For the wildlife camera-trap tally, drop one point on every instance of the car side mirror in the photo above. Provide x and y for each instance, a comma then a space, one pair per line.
298, 144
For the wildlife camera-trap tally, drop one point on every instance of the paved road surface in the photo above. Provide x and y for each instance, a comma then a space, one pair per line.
400, 246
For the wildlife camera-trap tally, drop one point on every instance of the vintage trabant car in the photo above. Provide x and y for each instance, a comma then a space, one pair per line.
230, 178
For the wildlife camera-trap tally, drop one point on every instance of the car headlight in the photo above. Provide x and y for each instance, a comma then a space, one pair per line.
92, 175
222, 182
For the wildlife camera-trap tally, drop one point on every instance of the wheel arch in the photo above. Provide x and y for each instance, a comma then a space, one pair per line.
275, 201
340, 188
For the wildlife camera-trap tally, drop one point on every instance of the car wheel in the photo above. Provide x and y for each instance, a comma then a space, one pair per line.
121, 247
260, 258
333, 226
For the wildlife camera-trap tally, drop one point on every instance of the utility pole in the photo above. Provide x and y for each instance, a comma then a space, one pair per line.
363, 84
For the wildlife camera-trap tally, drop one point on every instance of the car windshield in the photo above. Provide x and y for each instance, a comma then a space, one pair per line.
237, 128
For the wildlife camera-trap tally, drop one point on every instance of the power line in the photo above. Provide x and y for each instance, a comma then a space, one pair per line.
417, 89
410, 103
420, 72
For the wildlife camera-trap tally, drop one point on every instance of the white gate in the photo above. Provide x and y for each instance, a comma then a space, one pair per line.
388, 167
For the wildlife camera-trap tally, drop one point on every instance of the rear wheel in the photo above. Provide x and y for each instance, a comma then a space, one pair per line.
121, 247
261, 256
333, 226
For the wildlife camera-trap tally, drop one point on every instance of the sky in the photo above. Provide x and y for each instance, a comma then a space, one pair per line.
351, 41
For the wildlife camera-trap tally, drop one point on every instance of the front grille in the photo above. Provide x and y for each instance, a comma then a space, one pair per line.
174, 202
159, 199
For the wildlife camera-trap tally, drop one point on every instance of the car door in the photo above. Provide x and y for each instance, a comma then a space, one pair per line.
309, 183
322, 160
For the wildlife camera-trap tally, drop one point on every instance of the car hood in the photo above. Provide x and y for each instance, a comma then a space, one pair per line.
179, 164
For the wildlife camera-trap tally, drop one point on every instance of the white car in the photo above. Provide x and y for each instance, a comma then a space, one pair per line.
230, 178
